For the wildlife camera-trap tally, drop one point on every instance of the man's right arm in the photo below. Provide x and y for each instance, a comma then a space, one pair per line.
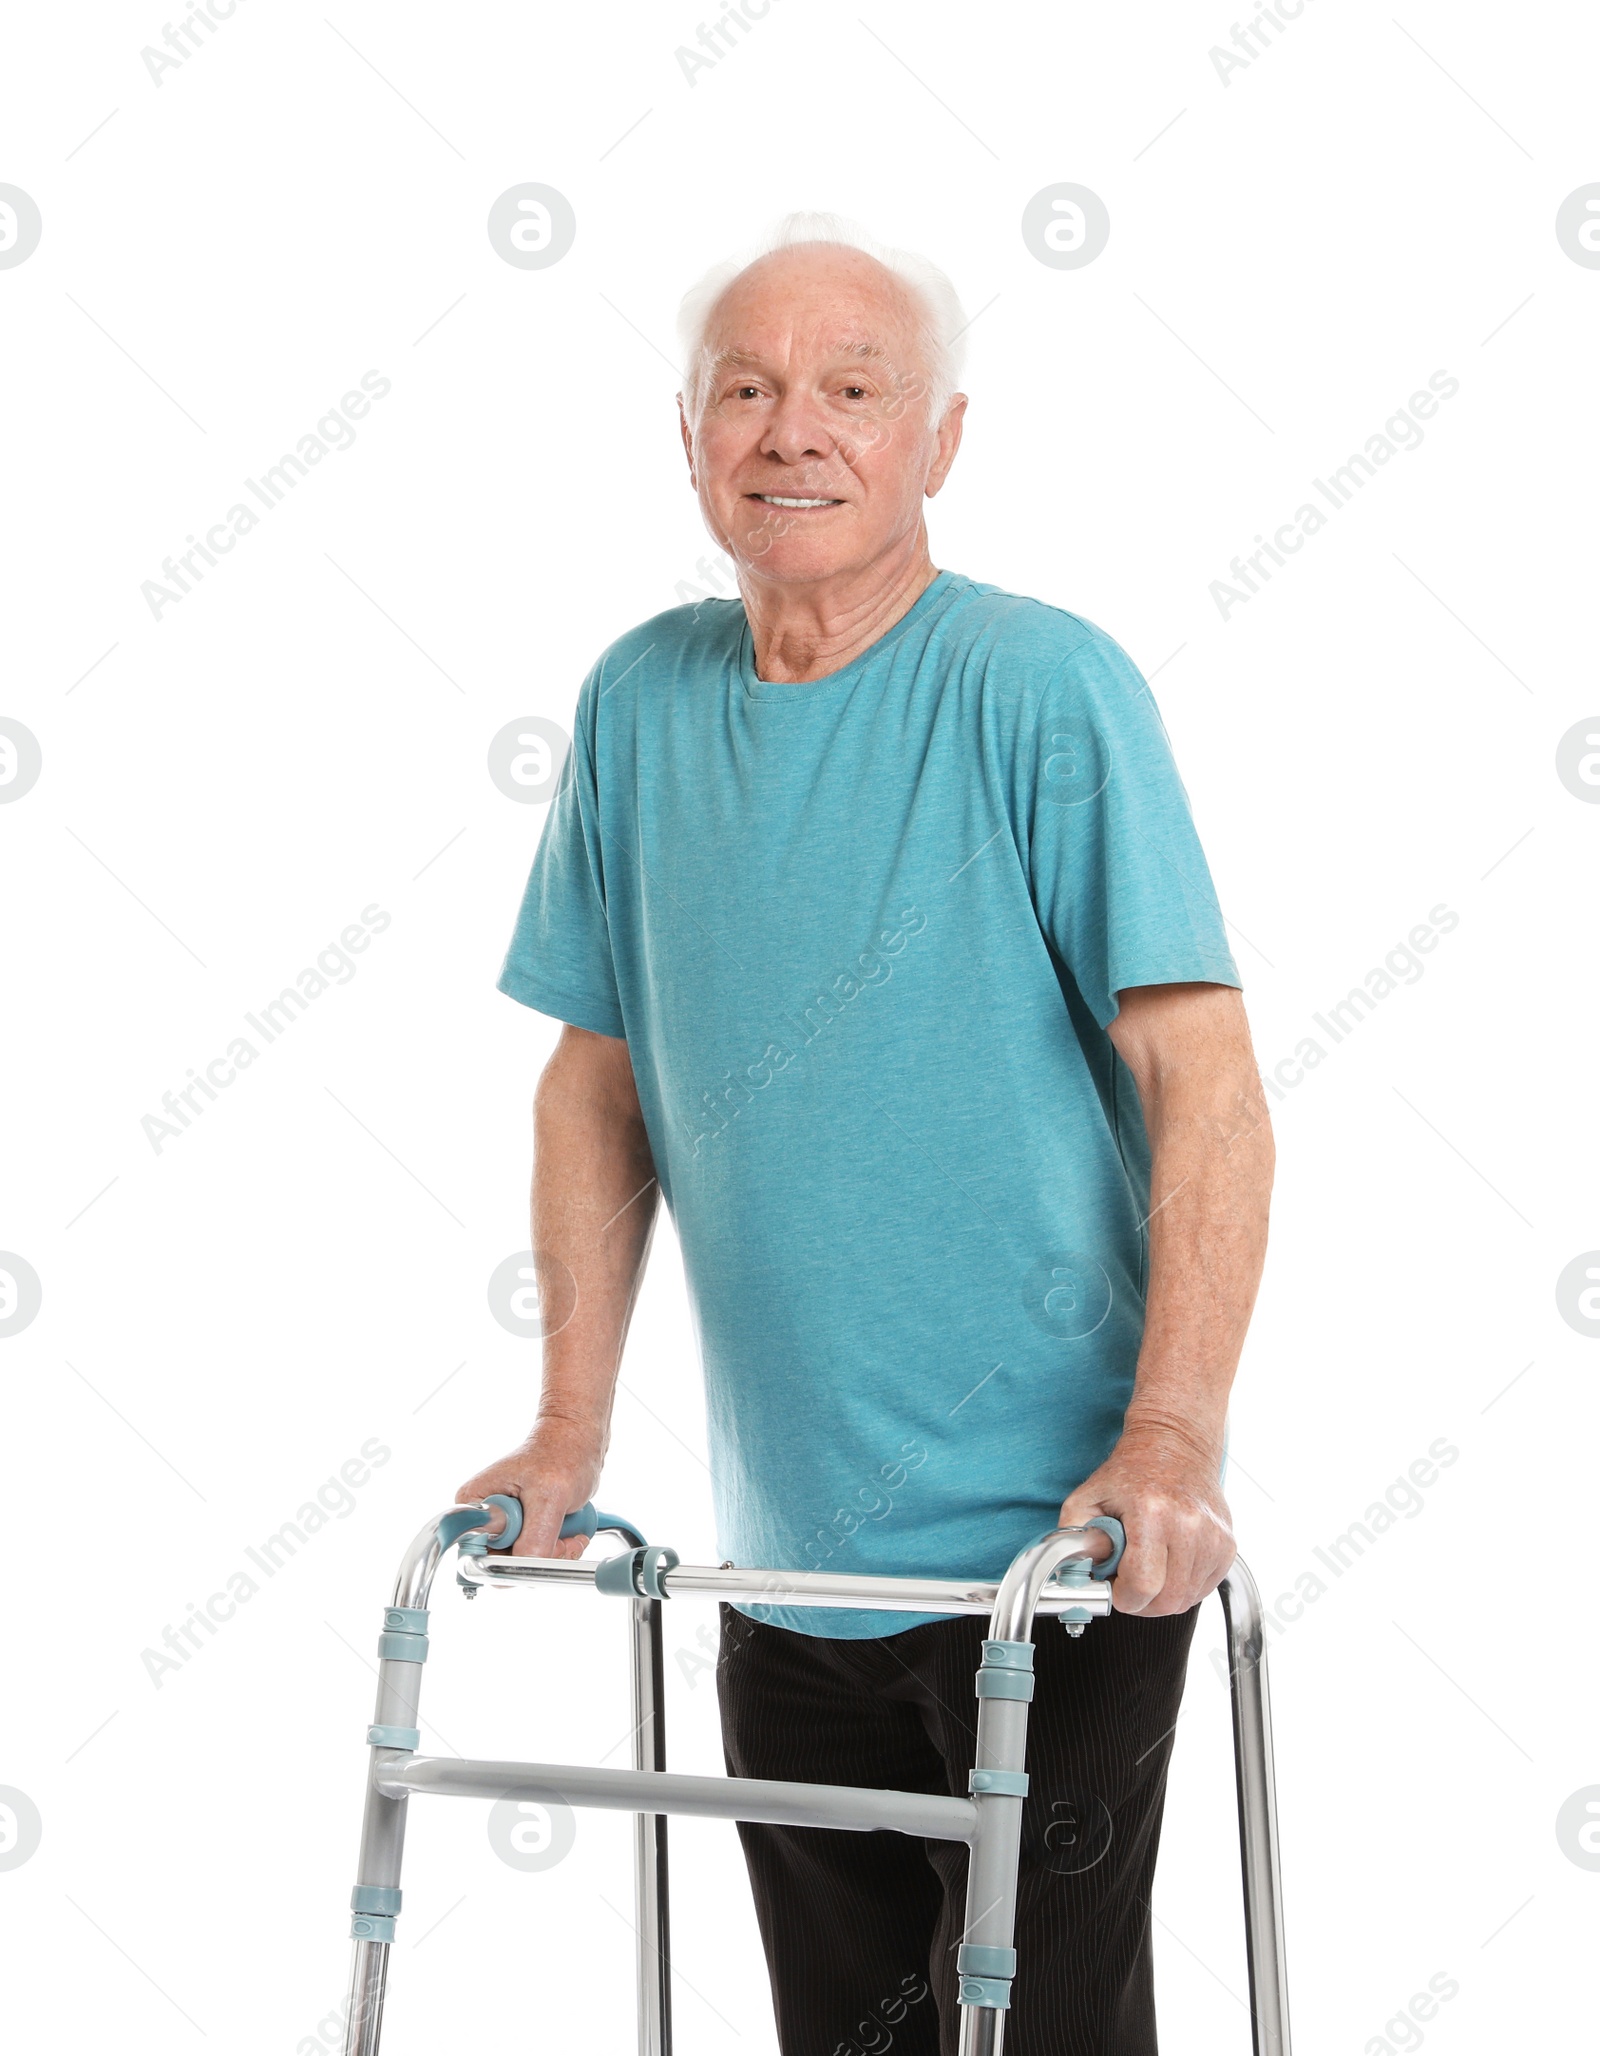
594, 1208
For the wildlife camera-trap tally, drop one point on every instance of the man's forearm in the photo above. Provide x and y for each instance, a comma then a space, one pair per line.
594, 1205
1210, 1186
594, 1208
1188, 1047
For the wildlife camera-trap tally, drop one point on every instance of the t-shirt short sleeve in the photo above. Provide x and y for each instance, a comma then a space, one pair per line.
560, 960
1119, 880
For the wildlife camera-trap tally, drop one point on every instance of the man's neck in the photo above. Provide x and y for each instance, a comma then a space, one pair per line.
801, 633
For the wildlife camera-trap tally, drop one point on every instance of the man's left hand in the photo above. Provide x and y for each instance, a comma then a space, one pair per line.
1162, 1485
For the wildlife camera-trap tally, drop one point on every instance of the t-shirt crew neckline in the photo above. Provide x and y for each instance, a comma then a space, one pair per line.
926, 603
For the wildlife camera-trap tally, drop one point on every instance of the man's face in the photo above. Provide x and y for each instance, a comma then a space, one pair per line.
815, 392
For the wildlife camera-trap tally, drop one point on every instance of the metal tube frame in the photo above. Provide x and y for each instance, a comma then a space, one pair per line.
989, 1822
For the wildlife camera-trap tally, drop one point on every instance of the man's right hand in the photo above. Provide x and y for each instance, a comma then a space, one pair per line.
552, 1474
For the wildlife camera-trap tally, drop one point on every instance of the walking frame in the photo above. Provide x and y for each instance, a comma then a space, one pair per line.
1065, 1573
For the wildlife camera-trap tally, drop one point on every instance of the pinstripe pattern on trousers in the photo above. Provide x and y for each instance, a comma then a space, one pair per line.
860, 1930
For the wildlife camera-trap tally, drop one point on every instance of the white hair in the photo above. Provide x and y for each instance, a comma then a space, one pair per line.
941, 320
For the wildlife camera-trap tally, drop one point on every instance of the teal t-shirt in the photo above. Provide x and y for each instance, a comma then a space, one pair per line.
864, 937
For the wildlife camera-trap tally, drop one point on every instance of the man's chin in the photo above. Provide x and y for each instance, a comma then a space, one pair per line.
792, 556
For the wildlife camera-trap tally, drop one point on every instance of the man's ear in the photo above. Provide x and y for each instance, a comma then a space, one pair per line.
949, 441
688, 442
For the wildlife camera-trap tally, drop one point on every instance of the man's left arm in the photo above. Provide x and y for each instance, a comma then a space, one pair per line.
1188, 1048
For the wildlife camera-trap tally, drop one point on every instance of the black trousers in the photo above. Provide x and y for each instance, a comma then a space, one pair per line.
861, 1930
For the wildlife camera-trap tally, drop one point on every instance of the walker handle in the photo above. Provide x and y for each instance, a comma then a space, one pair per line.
476, 1542
464, 1524
587, 1519
512, 1509
1111, 1526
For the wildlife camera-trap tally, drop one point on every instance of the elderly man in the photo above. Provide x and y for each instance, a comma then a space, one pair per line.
888, 955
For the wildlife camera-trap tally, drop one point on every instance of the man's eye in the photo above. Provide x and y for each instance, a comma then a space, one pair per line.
742, 390
856, 392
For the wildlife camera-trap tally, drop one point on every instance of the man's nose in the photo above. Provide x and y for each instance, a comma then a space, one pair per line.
797, 429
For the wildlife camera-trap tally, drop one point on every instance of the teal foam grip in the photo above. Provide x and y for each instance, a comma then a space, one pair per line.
372, 1927
986, 1960
588, 1519
459, 1521
375, 1899
986, 1991
512, 1509
480, 1541
1111, 1526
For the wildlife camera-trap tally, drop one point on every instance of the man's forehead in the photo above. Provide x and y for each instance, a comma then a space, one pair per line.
854, 347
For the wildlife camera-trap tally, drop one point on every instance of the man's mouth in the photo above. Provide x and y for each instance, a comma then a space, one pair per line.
784, 500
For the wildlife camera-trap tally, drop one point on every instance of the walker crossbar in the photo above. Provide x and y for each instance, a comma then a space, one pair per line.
633, 1791
1065, 1573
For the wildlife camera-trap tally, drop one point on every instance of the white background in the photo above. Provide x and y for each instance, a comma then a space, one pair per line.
226, 1320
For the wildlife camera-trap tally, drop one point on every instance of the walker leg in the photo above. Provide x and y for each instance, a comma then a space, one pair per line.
650, 1835
1258, 1813
985, 1958
376, 1898
375, 1902
364, 2018
983, 2031
986, 1962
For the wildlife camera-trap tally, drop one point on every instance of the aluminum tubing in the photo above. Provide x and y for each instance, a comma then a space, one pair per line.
650, 1894
363, 2025
992, 1881
992, 1861
1258, 1813
946, 1819
802, 1588
383, 1823
983, 2030
383, 1837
